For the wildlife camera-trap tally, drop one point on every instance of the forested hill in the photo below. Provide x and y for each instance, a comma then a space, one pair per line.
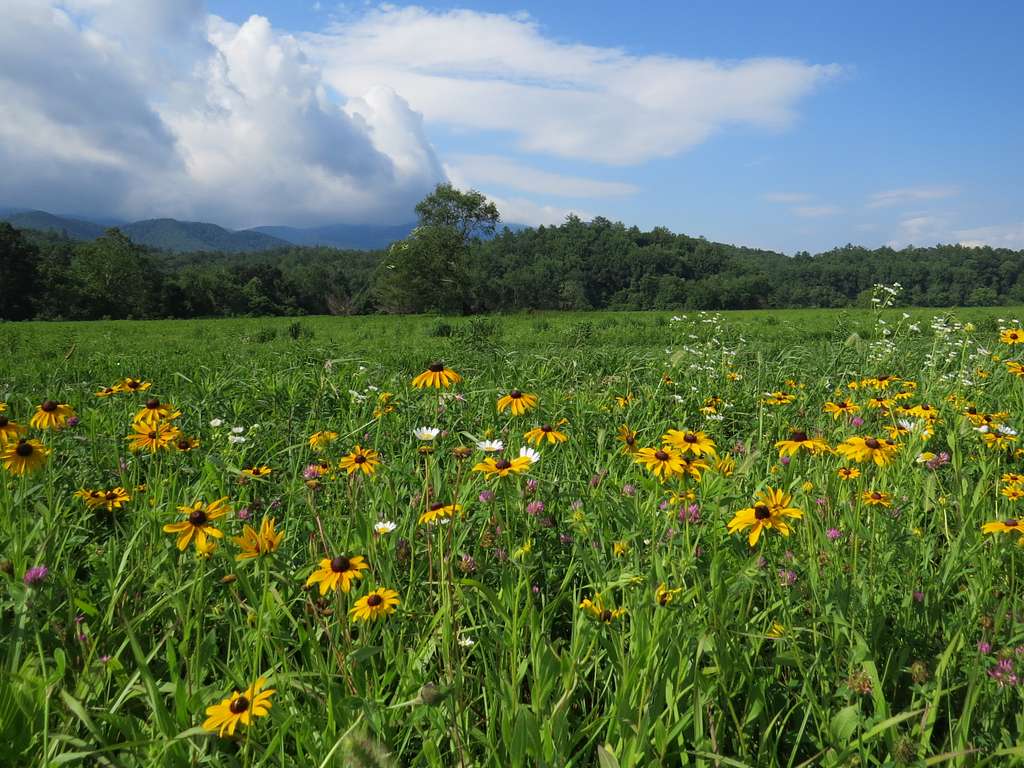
577, 265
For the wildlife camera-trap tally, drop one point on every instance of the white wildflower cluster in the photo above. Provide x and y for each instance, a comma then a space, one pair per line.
883, 296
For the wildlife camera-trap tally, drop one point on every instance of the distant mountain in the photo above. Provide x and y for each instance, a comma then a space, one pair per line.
180, 236
76, 229
356, 236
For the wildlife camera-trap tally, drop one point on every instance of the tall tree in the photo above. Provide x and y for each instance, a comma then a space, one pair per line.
17, 274
470, 213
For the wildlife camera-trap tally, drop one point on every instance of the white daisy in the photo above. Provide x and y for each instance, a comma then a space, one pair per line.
384, 527
426, 433
529, 453
216, 422
490, 446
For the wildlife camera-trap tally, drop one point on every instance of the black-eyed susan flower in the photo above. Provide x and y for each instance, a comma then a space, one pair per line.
596, 608
361, 459
1011, 336
725, 466
516, 402
1012, 478
132, 385
338, 573
770, 510
1016, 368
23, 456
503, 467
663, 595
91, 498
998, 436
778, 398
547, 432
9, 430
238, 708
198, 523
841, 408
152, 437
684, 441
154, 412
692, 467
385, 405
438, 512
664, 462
623, 400
259, 471
800, 440
1010, 525
106, 391
51, 415
186, 444
876, 499
848, 473
627, 437
877, 449
436, 377
253, 543
377, 605
620, 548
115, 498
320, 440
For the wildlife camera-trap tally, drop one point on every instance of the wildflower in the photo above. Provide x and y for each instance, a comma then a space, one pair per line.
1011, 336
620, 548
9, 430
426, 433
623, 400
364, 460
151, 437
185, 444
999, 436
26, 455
664, 462
51, 415
770, 508
254, 544
697, 443
257, 471
778, 398
629, 490
239, 708
490, 446
439, 512
529, 453
1010, 525
776, 631
205, 548
502, 467
832, 534
106, 391
216, 423
320, 440
725, 466
537, 435
841, 408
198, 523
876, 499
787, 577
376, 605
534, 508
35, 575
596, 608
437, 377
627, 437
798, 439
132, 385
154, 412
1013, 492
876, 449
486, 496
384, 527
663, 595
110, 500
338, 572
848, 473
517, 402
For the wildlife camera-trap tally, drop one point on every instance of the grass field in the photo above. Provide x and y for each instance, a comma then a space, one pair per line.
580, 610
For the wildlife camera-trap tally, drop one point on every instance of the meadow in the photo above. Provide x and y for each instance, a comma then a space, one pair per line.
614, 539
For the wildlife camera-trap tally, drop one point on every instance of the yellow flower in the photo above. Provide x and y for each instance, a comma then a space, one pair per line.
257, 471
799, 439
132, 385
253, 544
841, 408
537, 435
876, 449
502, 467
725, 466
627, 437
239, 708
439, 511
23, 456
998, 437
697, 443
338, 572
152, 437
1017, 369
777, 630
9, 430
596, 608
778, 398
1011, 336
376, 605
154, 412
770, 508
876, 499
198, 523
663, 595
623, 400
848, 473
664, 462
437, 377
51, 415
1013, 492
107, 391
364, 460
320, 440
620, 548
516, 402
109, 500
1012, 525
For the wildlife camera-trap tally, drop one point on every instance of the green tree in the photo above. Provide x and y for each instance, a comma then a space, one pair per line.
470, 213
18, 276
115, 278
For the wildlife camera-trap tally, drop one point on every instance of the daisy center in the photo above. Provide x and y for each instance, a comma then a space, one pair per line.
152, 403
798, 437
689, 437
197, 517
1011, 523
110, 495
606, 615
502, 464
876, 495
340, 564
23, 449
49, 406
872, 443
153, 435
515, 394
374, 600
360, 459
437, 506
761, 512
546, 428
436, 368
661, 455
239, 705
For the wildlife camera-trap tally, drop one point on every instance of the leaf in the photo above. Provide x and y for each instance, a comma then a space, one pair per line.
605, 757
844, 723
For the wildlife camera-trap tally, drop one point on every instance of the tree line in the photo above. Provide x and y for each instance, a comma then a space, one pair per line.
457, 262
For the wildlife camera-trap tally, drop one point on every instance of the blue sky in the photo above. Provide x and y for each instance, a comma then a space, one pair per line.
790, 125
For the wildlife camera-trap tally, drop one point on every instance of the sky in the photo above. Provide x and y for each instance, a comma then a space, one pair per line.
787, 125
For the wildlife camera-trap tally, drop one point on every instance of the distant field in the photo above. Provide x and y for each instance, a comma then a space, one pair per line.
607, 603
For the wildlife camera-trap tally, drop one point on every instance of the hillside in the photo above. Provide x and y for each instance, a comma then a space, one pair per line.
340, 235
77, 229
184, 236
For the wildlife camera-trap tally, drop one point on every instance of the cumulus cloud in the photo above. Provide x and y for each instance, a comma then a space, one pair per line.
495, 72
999, 236
909, 195
500, 171
152, 107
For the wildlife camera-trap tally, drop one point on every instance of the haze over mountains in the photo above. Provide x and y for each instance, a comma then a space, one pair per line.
188, 236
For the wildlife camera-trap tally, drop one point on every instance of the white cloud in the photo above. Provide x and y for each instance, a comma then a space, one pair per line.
787, 197
494, 72
154, 108
483, 170
816, 211
521, 210
1001, 236
910, 195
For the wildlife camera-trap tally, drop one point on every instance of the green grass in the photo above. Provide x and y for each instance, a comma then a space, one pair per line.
489, 659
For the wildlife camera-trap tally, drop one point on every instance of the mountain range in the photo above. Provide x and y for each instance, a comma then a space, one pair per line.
188, 236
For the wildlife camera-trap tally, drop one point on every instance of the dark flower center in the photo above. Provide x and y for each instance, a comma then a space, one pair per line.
152, 403
436, 367
661, 455
630, 440
502, 464
110, 495
153, 435
436, 506
374, 600
606, 615
360, 459
798, 437
134, 384
197, 517
340, 564
515, 394
689, 437
239, 705
4, 421
972, 411
23, 449
761, 512
546, 428
49, 406
876, 495
184, 445
1011, 523
872, 443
